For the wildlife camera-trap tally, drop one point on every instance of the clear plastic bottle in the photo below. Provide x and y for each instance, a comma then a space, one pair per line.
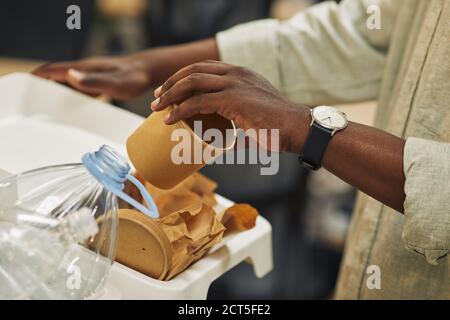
58, 227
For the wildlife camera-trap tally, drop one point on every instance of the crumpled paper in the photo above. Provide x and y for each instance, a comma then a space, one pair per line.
186, 217
194, 190
189, 221
191, 232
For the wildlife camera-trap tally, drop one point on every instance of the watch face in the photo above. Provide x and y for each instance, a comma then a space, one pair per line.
329, 117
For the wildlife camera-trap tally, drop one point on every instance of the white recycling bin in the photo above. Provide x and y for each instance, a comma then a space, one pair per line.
43, 123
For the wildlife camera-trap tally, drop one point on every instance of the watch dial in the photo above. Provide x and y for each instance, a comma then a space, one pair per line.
329, 117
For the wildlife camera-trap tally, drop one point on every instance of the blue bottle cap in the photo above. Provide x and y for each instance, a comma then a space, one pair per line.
112, 170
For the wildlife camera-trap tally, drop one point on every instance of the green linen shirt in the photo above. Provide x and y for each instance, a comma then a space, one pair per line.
328, 55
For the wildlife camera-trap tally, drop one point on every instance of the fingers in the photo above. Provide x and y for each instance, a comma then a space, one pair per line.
58, 70
194, 89
210, 67
203, 103
93, 83
192, 84
54, 71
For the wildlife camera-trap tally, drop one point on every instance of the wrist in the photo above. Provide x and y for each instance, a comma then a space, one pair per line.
151, 63
298, 121
162, 62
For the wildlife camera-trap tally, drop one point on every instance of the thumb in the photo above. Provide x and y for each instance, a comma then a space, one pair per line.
90, 82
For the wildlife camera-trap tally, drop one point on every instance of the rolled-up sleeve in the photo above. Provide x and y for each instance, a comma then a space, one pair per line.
323, 55
426, 228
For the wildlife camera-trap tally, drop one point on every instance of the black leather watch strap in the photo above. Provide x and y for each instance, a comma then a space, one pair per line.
315, 145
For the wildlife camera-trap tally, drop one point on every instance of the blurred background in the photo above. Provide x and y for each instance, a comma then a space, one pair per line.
309, 213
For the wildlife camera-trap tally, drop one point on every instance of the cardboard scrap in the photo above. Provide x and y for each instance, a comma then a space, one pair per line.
240, 217
188, 223
191, 233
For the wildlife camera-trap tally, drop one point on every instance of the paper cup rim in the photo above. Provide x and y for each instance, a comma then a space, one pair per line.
186, 126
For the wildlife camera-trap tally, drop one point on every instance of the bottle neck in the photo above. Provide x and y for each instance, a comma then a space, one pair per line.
108, 167
112, 170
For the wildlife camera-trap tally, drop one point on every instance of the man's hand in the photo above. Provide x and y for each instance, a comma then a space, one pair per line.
235, 93
121, 78
365, 157
127, 77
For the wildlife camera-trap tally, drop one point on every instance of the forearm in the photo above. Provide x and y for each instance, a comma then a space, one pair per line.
162, 62
367, 158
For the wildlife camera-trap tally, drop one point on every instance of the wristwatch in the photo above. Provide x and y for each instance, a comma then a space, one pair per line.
325, 122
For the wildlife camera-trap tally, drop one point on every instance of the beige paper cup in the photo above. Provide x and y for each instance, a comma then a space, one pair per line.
151, 147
